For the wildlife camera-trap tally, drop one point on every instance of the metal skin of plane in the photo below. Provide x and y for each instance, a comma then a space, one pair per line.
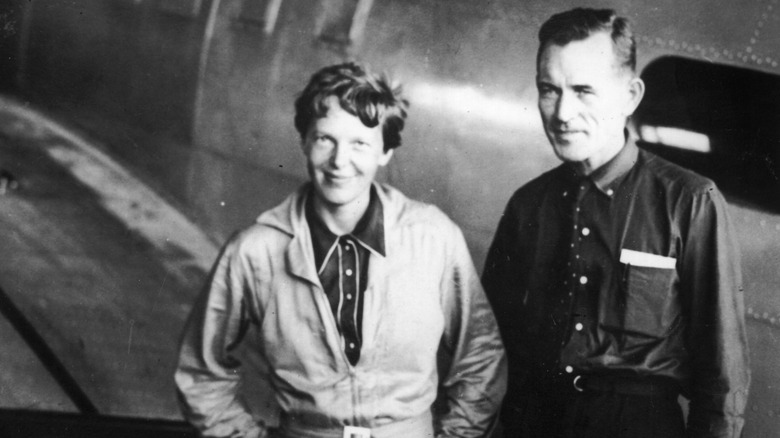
189, 105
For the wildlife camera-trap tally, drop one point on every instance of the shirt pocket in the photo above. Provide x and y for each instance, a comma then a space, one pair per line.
648, 298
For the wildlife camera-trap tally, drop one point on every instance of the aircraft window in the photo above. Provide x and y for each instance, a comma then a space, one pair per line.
718, 120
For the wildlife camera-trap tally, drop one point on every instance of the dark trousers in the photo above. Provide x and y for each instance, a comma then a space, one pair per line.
592, 414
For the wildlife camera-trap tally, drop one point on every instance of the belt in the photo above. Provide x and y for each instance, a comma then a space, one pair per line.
420, 426
645, 386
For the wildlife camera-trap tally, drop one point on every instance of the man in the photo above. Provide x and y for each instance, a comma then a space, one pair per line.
366, 303
615, 277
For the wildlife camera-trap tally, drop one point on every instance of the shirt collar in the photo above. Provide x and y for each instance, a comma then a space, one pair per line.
369, 231
609, 176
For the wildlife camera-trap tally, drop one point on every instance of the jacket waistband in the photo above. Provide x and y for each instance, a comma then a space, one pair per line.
415, 427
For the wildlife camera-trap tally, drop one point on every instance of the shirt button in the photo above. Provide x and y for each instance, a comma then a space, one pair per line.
351, 345
583, 280
578, 327
346, 247
569, 369
610, 192
585, 231
349, 272
349, 296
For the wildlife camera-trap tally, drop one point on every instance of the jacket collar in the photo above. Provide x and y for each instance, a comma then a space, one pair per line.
289, 217
369, 231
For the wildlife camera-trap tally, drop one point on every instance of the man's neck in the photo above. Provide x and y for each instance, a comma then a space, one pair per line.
341, 219
586, 167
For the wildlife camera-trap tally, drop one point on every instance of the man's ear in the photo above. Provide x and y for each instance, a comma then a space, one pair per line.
636, 91
385, 158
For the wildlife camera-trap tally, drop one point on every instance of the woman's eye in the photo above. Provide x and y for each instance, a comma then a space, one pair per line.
321, 140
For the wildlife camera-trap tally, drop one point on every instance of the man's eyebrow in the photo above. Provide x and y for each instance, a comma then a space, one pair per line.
582, 87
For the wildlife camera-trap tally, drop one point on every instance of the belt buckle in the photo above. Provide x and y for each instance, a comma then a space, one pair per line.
577, 387
356, 432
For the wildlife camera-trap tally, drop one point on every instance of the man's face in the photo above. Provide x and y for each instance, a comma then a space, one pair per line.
343, 156
584, 100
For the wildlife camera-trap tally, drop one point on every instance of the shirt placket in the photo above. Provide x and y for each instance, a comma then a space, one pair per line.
577, 283
349, 279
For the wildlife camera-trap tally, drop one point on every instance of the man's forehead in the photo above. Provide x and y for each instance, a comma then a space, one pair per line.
594, 55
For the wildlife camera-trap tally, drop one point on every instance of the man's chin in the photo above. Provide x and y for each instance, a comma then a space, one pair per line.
570, 151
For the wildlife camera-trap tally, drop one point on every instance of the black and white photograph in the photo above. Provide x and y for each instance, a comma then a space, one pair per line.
389, 219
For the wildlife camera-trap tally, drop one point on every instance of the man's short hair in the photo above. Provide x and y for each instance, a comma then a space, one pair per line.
580, 23
367, 96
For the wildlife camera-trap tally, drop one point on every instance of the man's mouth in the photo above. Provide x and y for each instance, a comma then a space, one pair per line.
567, 134
564, 132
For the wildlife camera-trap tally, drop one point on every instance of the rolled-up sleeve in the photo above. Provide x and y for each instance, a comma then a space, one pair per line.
475, 373
717, 340
207, 376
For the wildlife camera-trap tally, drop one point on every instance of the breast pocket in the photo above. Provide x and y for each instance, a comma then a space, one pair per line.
649, 300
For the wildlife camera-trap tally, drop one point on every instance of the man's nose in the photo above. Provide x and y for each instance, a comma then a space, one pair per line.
566, 108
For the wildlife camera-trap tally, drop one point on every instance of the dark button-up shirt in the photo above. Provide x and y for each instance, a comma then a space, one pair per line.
632, 270
342, 265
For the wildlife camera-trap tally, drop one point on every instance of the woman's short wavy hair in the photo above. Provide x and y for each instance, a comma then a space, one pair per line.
367, 96
579, 23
